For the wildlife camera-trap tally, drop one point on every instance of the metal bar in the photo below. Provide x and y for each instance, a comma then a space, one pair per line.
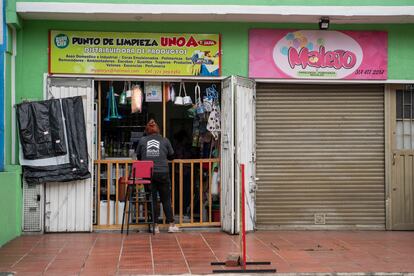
201, 191
192, 193
209, 191
247, 263
173, 187
164, 112
108, 193
127, 176
116, 192
245, 271
99, 121
98, 201
146, 212
188, 79
181, 193
136, 203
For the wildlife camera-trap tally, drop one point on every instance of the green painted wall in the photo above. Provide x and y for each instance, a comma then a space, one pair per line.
10, 204
31, 61
10, 179
32, 53
12, 17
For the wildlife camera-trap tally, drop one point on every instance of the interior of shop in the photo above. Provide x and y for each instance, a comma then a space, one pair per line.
188, 114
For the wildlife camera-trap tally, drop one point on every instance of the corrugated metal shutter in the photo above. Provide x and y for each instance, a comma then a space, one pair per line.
320, 156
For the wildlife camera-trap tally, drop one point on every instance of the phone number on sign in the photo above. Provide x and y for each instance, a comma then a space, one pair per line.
369, 72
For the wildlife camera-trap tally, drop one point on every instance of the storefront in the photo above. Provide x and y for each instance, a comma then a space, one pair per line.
321, 147
124, 80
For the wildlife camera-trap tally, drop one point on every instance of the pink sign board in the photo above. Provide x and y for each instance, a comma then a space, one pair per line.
314, 54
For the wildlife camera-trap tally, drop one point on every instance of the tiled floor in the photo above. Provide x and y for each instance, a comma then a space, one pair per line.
192, 252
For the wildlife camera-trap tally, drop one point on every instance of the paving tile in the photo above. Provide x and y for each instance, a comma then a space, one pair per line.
288, 251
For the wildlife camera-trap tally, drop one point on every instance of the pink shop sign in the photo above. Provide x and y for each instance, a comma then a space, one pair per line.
314, 54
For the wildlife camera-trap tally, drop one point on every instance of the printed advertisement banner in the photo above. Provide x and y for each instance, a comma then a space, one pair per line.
314, 54
118, 53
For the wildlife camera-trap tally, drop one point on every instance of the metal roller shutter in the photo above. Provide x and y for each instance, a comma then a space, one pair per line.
320, 156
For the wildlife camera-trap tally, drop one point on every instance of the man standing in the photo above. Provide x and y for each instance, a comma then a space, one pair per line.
158, 149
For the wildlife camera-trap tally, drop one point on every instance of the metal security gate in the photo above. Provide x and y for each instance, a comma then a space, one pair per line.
32, 207
320, 157
237, 147
68, 206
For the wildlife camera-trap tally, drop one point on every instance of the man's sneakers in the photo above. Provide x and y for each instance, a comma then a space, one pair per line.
173, 229
156, 229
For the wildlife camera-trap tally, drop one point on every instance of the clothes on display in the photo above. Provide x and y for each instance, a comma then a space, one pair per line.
41, 129
214, 121
136, 99
206, 115
77, 168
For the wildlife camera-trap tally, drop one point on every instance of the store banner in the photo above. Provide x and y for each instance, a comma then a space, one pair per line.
118, 53
315, 54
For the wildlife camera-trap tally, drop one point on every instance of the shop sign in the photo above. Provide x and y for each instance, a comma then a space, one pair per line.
314, 54
118, 53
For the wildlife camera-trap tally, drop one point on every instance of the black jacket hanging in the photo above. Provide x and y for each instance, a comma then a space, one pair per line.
41, 129
77, 168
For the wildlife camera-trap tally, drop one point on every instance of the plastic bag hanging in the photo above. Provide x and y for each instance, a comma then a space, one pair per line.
210, 97
186, 99
123, 96
179, 100
112, 107
215, 182
136, 99
199, 105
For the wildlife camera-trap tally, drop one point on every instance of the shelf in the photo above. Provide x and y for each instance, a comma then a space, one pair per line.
124, 126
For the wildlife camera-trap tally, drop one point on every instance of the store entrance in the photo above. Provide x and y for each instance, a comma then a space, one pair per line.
188, 114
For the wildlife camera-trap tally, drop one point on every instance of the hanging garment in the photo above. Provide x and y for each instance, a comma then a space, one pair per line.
136, 99
213, 124
77, 168
41, 129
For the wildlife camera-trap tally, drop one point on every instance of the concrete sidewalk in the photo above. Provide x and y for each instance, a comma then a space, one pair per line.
297, 252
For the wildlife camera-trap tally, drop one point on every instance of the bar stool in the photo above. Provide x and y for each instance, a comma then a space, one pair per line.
141, 174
